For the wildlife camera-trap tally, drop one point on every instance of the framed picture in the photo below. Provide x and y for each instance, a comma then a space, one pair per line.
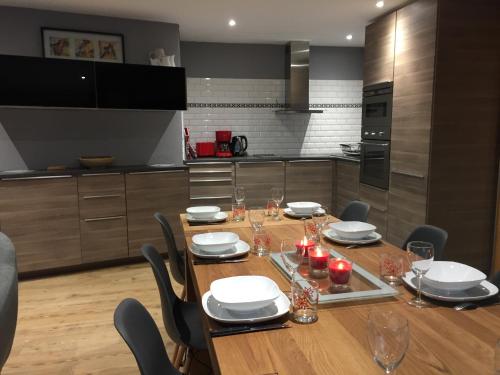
82, 45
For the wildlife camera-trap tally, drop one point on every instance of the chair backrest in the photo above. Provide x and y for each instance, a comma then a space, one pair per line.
139, 330
355, 211
169, 301
8, 297
176, 261
495, 279
432, 234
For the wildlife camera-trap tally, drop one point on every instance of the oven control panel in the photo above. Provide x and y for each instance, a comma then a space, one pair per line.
376, 133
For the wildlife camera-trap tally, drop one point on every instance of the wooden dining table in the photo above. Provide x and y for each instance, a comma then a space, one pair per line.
442, 340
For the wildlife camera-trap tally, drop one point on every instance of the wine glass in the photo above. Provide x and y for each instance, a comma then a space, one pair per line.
256, 217
291, 256
277, 195
389, 337
420, 256
239, 194
320, 217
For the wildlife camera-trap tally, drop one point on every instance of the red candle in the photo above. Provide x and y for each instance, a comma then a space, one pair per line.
340, 271
304, 246
318, 258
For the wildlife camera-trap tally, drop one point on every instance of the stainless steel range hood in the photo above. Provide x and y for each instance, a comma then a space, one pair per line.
297, 79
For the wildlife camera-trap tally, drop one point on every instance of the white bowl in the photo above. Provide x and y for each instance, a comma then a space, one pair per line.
216, 242
203, 212
303, 207
244, 293
452, 276
353, 230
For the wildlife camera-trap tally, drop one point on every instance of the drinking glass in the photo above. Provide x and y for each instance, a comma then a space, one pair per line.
256, 217
238, 210
239, 194
311, 230
277, 195
389, 337
291, 256
420, 256
272, 209
391, 268
261, 242
305, 295
320, 217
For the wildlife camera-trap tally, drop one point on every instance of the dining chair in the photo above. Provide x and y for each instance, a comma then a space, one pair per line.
355, 211
495, 279
8, 297
432, 234
176, 260
139, 330
182, 319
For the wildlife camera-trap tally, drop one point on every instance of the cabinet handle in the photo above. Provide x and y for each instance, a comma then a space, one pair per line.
104, 218
36, 178
102, 196
211, 163
213, 180
156, 172
403, 173
260, 162
209, 171
101, 174
309, 161
213, 197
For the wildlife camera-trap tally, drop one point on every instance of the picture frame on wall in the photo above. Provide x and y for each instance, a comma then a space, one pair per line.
83, 45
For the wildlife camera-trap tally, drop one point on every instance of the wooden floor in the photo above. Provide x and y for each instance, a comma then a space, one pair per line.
65, 323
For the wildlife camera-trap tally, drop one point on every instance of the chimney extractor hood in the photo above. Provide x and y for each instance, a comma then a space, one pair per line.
297, 79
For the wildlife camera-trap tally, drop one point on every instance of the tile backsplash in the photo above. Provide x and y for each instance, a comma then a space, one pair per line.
247, 107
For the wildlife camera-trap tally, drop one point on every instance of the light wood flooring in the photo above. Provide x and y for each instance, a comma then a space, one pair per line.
65, 323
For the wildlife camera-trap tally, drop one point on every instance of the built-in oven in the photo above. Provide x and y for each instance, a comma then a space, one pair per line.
375, 163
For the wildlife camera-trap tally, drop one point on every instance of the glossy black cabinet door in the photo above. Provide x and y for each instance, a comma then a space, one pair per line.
140, 86
33, 81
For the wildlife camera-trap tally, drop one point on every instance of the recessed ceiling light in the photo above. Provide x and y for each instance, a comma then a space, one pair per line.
232, 22
348, 36
379, 4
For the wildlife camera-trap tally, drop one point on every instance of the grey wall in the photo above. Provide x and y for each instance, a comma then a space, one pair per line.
267, 61
36, 138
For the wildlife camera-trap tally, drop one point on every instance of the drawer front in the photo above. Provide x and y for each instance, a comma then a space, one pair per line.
98, 183
104, 238
102, 204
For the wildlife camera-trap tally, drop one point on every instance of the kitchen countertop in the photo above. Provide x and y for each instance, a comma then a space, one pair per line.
253, 158
85, 171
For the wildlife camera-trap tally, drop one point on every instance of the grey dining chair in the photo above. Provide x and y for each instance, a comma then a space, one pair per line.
432, 234
182, 319
176, 260
495, 279
355, 211
8, 297
139, 330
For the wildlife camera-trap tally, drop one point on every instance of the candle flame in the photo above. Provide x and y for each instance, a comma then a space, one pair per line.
304, 241
341, 266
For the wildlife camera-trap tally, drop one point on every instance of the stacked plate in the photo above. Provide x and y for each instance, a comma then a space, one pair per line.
218, 245
302, 209
245, 299
352, 233
205, 214
451, 281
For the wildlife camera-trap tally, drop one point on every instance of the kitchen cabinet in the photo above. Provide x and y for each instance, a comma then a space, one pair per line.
346, 184
211, 183
258, 178
309, 180
378, 201
378, 60
155, 191
103, 220
41, 217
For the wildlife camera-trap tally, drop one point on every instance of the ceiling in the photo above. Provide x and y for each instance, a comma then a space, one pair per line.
322, 22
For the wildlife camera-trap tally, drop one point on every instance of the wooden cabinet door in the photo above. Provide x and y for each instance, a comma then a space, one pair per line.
309, 180
149, 192
378, 201
379, 50
40, 215
104, 238
258, 178
346, 184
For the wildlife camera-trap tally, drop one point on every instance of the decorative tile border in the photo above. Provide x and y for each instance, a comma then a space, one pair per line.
268, 105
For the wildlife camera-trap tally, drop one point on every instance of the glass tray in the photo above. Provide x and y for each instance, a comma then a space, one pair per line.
362, 285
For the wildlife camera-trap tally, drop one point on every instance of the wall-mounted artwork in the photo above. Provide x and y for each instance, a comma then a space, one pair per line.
82, 45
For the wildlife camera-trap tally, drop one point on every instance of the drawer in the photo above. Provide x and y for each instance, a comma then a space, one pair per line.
210, 169
101, 182
102, 204
104, 238
211, 189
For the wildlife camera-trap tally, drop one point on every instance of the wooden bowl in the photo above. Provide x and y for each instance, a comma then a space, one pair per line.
96, 161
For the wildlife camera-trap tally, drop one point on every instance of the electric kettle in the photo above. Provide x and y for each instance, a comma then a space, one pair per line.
239, 145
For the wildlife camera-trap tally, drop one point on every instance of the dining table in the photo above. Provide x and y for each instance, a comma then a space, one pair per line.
442, 339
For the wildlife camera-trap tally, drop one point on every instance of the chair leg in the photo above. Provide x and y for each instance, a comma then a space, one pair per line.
180, 356
187, 364
183, 294
176, 352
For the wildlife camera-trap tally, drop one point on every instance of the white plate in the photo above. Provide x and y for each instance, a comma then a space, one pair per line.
290, 212
353, 230
280, 306
303, 207
215, 242
482, 291
220, 216
239, 249
331, 235
203, 212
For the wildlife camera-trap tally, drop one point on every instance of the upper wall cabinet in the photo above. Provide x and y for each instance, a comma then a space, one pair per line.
41, 82
379, 50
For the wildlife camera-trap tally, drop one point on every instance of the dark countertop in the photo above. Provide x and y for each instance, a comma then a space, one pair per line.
253, 158
85, 171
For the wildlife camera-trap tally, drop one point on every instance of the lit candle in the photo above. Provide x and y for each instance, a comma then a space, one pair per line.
304, 246
340, 271
318, 258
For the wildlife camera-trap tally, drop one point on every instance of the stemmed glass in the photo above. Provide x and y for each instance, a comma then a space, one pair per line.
420, 256
292, 258
256, 217
320, 217
389, 337
277, 195
239, 194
